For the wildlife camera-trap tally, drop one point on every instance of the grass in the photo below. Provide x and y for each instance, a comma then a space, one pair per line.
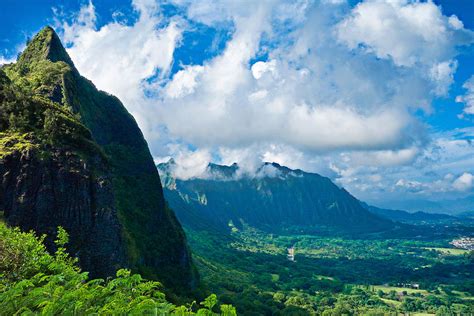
463, 295
391, 302
387, 289
449, 251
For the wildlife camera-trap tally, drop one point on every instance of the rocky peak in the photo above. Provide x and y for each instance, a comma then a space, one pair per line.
66, 113
46, 45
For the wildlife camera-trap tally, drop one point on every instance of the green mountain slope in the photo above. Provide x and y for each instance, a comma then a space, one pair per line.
276, 198
103, 139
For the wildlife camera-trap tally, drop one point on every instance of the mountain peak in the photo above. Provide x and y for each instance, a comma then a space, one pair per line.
45, 45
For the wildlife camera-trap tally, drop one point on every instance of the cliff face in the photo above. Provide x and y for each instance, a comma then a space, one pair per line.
42, 193
276, 198
153, 239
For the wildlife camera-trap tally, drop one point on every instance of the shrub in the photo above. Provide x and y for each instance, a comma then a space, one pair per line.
34, 282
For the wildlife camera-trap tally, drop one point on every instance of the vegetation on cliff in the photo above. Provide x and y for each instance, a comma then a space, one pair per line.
46, 105
33, 282
276, 198
30, 120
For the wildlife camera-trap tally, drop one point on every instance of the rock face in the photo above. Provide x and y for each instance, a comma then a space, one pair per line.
125, 185
62, 190
275, 198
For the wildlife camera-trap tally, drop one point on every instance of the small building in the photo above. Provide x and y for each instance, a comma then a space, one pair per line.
291, 253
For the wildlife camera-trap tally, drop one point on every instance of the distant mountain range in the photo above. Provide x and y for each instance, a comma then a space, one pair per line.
446, 206
407, 217
277, 198
274, 198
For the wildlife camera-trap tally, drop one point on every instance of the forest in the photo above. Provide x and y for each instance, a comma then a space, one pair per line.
337, 275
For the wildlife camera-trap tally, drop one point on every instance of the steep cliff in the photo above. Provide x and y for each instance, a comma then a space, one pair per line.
103, 179
40, 194
274, 198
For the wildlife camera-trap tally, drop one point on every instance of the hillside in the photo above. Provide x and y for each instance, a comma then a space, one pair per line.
275, 198
407, 217
73, 156
441, 206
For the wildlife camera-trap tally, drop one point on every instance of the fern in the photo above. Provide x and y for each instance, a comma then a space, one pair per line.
33, 282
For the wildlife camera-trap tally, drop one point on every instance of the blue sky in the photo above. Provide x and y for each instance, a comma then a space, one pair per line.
374, 94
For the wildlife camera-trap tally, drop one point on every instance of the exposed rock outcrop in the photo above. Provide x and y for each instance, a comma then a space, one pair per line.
42, 193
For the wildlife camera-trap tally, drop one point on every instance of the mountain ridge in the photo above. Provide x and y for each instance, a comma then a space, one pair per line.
274, 198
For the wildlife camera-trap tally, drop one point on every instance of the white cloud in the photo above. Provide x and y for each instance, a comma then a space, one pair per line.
4, 60
468, 97
119, 58
464, 182
384, 158
83, 23
407, 32
303, 96
455, 22
188, 163
412, 186
375, 178
183, 82
442, 74
442, 185
333, 90
260, 68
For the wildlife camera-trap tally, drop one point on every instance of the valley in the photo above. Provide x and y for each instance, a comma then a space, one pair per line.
235, 157
336, 275
288, 242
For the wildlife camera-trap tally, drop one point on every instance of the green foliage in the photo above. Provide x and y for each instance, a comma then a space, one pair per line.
293, 201
332, 275
44, 96
30, 119
11, 142
34, 282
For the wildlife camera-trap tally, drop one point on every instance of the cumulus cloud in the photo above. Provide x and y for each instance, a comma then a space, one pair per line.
446, 184
468, 97
119, 58
303, 95
183, 82
428, 172
406, 32
320, 86
412, 186
409, 33
188, 163
464, 182
4, 60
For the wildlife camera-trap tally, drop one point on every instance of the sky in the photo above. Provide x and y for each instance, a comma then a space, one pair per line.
376, 95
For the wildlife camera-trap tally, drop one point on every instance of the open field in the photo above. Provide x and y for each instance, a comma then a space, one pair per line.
387, 289
449, 251
392, 302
